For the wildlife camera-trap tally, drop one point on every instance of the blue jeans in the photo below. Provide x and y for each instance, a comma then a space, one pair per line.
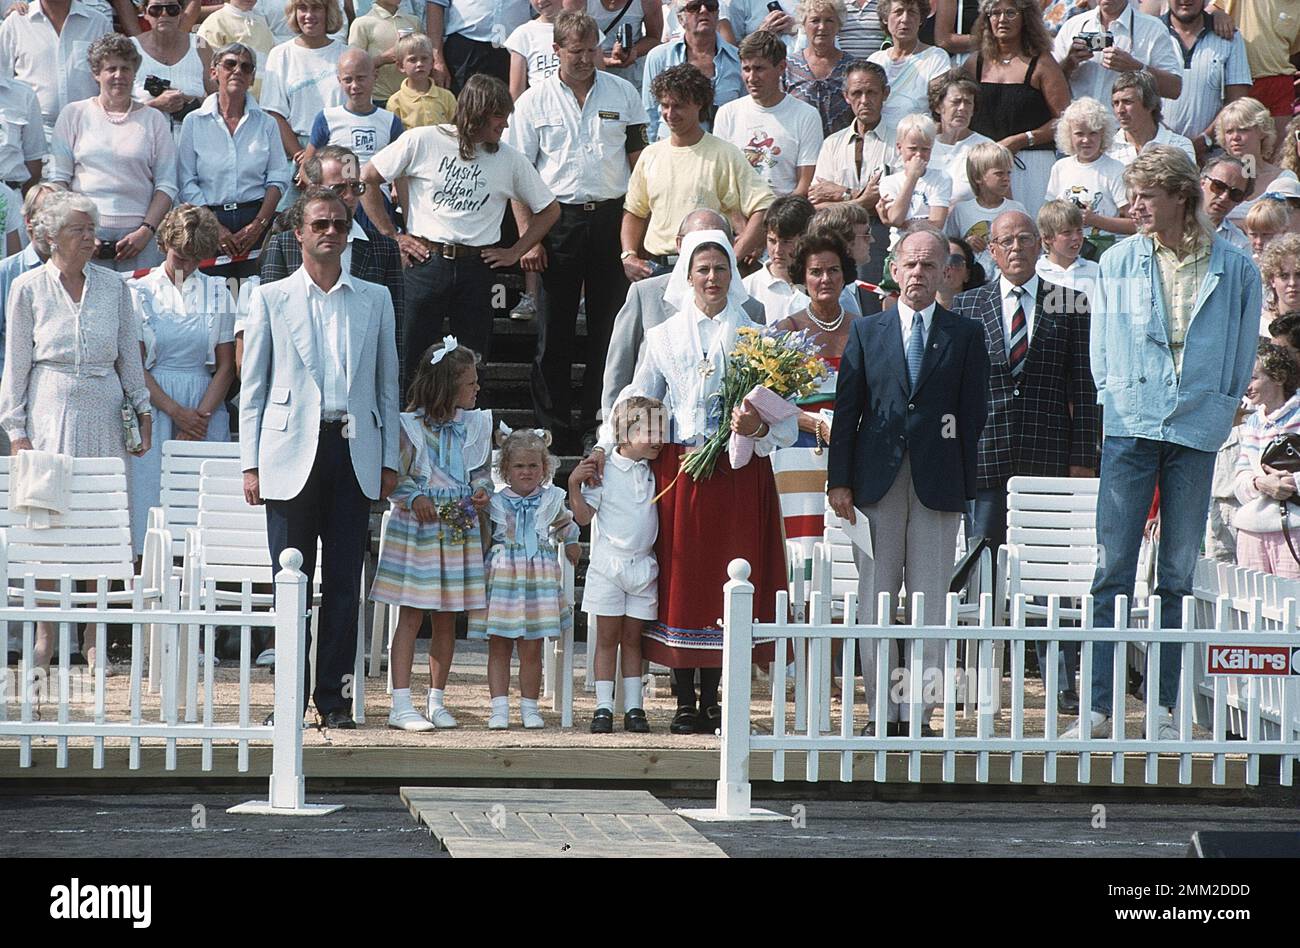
1131, 469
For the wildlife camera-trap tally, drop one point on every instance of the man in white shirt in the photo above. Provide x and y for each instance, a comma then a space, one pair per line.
318, 427
22, 135
458, 188
469, 38
46, 48
1125, 40
583, 130
778, 134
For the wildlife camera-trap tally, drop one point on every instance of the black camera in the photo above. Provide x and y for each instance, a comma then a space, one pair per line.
156, 86
1098, 41
105, 249
773, 6
627, 35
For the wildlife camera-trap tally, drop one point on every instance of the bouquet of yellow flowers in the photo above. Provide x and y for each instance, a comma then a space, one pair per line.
763, 364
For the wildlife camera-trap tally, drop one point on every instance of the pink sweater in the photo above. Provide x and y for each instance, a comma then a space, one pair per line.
119, 167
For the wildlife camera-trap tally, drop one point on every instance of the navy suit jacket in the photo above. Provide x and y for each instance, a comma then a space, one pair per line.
879, 418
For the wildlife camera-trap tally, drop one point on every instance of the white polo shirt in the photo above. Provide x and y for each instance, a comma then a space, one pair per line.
457, 201
579, 152
1143, 37
836, 161
22, 129
53, 64
627, 523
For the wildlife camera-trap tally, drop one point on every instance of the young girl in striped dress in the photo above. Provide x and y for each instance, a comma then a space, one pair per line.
525, 599
431, 557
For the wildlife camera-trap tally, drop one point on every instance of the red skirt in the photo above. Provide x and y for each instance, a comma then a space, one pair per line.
703, 526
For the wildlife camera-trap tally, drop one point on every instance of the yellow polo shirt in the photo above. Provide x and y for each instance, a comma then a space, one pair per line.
376, 32
232, 25
416, 109
1271, 29
1181, 279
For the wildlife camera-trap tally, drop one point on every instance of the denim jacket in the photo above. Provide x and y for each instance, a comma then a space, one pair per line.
1133, 366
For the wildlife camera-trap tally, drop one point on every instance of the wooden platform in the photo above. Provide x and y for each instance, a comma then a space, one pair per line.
543, 824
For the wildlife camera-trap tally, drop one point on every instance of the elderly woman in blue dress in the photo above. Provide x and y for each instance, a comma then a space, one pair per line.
188, 341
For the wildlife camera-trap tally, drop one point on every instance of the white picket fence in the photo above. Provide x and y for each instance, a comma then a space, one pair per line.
1240, 621
180, 717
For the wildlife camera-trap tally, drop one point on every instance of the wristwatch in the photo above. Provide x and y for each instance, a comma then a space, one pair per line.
627, 253
1030, 135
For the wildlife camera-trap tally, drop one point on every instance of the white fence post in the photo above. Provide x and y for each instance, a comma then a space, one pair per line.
287, 796
733, 798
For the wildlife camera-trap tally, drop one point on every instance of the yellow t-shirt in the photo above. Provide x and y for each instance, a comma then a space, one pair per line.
416, 109
376, 32
669, 182
1271, 29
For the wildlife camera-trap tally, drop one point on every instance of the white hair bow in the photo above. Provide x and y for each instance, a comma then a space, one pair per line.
448, 344
508, 431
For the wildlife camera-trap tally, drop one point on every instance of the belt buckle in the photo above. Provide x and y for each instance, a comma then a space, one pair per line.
589, 206
448, 251
230, 207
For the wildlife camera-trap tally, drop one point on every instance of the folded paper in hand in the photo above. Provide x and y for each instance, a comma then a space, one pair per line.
858, 532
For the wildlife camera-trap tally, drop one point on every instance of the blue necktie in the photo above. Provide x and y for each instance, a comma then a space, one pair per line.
449, 450
915, 350
525, 509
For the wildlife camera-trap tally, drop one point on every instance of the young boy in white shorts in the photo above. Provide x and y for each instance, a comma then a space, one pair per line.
622, 588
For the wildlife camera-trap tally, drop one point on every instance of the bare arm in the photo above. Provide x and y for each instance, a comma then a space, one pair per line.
632, 237
803, 179
945, 28
518, 75
435, 17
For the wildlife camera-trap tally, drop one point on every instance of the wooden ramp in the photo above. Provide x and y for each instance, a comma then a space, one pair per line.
485, 822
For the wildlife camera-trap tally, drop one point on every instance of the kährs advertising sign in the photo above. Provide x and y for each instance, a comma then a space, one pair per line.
1253, 660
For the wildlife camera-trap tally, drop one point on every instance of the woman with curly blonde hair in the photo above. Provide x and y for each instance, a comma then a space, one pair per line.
1288, 148
1279, 268
1089, 178
1244, 129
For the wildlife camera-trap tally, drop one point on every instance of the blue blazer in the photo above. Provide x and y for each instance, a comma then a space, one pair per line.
878, 417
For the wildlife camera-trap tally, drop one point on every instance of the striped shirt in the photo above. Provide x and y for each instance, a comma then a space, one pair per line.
861, 35
1212, 64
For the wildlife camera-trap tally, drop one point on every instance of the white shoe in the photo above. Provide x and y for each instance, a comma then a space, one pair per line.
499, 720
1099, 726
266, 659
1166, 729
532, 720
526, 309
441, 717
408, 719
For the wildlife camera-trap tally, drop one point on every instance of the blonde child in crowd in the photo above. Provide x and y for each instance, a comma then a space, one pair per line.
622, 589
525, 594
1089, 178
377, 32
358, 124
916, 194
988, 168
431, 557
1266, 221
418, 101
1060, 226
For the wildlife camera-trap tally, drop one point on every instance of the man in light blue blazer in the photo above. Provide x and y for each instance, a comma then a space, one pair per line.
318, 425
1175, 326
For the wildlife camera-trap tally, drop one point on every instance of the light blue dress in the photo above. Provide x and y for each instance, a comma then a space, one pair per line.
181, 330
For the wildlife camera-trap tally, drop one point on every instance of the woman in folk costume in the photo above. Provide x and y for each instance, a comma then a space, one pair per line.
705, 524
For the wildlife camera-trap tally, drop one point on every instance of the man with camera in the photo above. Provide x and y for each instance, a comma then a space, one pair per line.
1094, 47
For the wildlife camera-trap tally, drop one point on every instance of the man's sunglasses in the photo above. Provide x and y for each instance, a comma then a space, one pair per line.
325, 224
356, 187
232, 65
1220, 188
163, 9
697, 5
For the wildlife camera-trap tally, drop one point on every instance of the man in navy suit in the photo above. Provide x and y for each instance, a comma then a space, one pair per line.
910, 404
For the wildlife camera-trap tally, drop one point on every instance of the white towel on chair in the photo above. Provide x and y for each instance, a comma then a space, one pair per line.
40, 484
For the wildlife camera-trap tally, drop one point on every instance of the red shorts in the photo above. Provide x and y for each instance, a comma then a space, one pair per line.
1277, 93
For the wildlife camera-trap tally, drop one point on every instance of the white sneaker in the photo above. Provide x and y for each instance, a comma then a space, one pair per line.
408, 719
526, 309
1100, 726
532, 720
1166, 729
499, 720
441, 717
266, 659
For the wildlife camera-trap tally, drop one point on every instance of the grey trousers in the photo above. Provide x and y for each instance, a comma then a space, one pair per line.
913, 546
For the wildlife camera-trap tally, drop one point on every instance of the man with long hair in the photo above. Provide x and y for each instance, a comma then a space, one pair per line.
1174, 330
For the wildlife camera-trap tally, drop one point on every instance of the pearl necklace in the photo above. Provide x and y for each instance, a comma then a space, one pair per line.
830, 325
114, 118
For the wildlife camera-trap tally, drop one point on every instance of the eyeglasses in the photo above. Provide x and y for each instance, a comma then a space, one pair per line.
1016, 240
1221, 188
231, 65
356, 187
695, 6
956, 260
1008, 14
163, 9
323, 225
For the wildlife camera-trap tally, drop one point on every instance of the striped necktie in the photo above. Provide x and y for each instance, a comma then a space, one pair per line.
915, 349
1018, 345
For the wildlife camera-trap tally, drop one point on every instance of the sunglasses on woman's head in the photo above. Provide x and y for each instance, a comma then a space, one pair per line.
231, 65
1220, 188
163, 9
325, 224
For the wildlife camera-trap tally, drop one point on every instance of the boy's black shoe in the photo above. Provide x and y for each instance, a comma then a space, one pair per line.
634, 721
602, 722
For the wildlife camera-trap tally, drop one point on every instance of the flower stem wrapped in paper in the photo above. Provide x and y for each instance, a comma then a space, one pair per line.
766, 369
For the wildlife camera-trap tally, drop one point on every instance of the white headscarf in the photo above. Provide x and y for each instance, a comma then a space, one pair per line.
681, 297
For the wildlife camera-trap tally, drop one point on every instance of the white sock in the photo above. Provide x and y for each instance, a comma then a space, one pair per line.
632, 692
528, 706
401, 699
605, 695
501, 705
435, 697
